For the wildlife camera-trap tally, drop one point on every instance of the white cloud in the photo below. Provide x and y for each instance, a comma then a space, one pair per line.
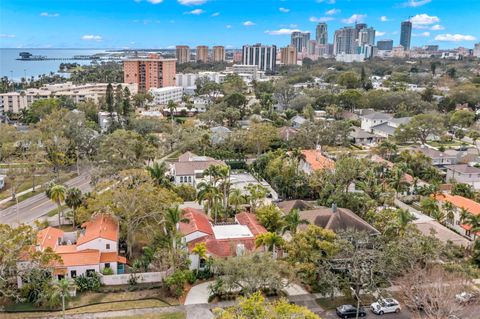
332, 12
384, 19
437, 27
423, 19
421, 35
9, 36
50, 15
195, 12
171, 47
191, 2
379, 33
91, 37
415, 3
454, 37
327, 1
321, 19
215, 14
228, 26
248, 23
354, 18
282, 31
155, 1
284, 10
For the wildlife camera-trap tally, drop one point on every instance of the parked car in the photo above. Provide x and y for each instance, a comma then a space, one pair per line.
464, 297
386, 305
350, 311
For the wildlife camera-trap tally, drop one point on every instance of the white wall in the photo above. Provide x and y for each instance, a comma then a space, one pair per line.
99, 244
146, 277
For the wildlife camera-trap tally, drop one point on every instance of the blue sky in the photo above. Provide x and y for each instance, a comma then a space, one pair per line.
165, 23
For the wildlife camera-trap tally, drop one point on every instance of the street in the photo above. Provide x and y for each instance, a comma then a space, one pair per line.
34, 207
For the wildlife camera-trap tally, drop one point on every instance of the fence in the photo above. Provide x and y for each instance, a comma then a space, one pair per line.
143, 277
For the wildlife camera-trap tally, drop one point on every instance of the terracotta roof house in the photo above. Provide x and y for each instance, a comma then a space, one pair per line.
314, 161
454, 220
334, 218
222, 239
95, 248
189, 168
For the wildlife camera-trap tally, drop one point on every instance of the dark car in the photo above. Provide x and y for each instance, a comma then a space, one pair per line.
350, 311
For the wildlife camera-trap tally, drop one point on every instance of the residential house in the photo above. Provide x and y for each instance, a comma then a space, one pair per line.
297, 121
370, 120
360, 137
334, 218
449, 157
93, 249
388, 128
287, 133
464, 173
454, 220
314, 160
221, 240
190, 167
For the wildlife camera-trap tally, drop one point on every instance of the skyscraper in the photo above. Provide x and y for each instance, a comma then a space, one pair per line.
344, 41
289, 55
218, 54
366, 36
385, 45
263, 56
150, 72
202, 53
322, 34
406, 34
183, 53
300, 40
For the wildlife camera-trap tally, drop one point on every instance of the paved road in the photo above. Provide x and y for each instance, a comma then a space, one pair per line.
36, 206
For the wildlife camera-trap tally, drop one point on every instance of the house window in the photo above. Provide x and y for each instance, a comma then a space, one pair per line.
60, 277
73, 274
202, 263
90, 272
107, 265
189, 179
108, 246
467, 232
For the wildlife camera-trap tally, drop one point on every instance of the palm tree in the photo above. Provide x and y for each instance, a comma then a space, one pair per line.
438, 215
172, 219
172, 106
474, 222
270, 241
74, 199
236, 198
449, 209
200, 249
158, 173
464, 215
59, 292
57, 195
211, 195
397, 180
292, 221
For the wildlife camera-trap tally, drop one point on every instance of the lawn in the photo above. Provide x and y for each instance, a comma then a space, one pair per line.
173, 315
26, 184
451, 144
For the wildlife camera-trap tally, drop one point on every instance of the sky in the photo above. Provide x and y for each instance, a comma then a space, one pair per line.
232, 23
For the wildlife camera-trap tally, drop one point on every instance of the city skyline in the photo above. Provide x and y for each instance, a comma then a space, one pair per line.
166, 23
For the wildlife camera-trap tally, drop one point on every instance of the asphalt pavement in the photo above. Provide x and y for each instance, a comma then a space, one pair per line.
36, 206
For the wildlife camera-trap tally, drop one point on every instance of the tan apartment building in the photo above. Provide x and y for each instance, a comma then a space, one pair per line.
288, 55
182, 54
218, 53
150, 72
202, 53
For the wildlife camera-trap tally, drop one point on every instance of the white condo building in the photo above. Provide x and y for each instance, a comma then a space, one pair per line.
161, 96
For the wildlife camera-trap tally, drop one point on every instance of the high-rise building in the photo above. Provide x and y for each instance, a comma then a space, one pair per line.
202, 53
263, 56
312, 48
366, 36
218, 54
182, 54
385, 45
289, 55
150, 72
300, 40
344, 41
476, 50
406, 34
322, 34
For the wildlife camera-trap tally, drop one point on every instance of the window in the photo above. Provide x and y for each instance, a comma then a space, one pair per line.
73, 274
107, 265
90, 272
107, 246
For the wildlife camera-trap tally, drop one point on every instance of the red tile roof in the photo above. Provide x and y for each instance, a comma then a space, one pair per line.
197, 221
317, 160
101, 226
250, 220
461, 202
112, 257
49, 237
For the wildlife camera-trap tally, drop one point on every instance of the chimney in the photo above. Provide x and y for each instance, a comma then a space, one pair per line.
334, 207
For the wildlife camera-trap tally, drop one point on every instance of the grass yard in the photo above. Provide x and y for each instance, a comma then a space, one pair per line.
173, 315
26, 184
452, 144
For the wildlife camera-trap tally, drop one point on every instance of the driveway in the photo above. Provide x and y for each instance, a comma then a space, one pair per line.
198, 294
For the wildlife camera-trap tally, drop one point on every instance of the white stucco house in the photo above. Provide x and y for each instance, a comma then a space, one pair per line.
190, 167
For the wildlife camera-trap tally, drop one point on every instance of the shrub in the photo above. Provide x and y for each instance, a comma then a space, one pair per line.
176, 283
88, 283
190, 276
107, 271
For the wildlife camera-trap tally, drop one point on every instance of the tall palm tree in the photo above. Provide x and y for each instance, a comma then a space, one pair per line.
464, 215
236, 198
200, 249
172, 219
449, 209
397, 180
158, 173
59, 292
57, 195
172, 106
210, 196
74, 199
474, 222
292, 221
270, 241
